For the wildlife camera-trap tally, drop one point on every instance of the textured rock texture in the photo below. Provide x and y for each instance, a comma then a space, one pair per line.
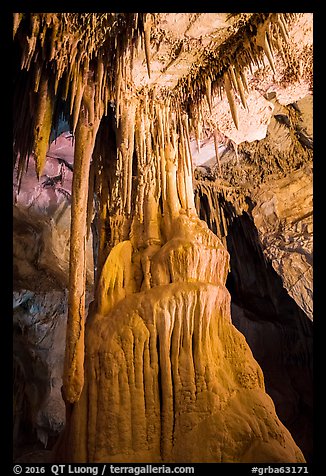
39, 337
278, 332
168, 378
41, 217
271, 180
283, 216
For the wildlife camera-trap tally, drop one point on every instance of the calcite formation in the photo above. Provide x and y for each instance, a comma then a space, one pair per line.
157, 372
165, 370
168, 378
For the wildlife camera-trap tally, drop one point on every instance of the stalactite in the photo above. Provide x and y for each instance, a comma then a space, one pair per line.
233, 78
147, 41
122, 138
244, 80
181, 178
131, 141
74, 86
118, 81
173, 203
99, 79
17, 18
37, 77
55, 28
148, 137
77, 103
282, 26
161, 135
217, 155
43, 122
102, 190
262, 41
198, 134
139, 134
269, 51
157, 162
125, 150
281, 50
188, 155
241, 89
90, 199
208, 84
231, 100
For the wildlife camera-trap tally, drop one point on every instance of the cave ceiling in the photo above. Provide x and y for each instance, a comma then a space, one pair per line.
224, 70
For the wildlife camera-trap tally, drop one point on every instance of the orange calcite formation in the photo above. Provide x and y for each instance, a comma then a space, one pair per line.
167, 376
159, 373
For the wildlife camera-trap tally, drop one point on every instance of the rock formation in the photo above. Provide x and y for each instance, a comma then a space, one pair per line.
262, 211
166, 370
157, 372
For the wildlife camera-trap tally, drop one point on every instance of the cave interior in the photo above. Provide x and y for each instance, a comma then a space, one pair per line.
162, 222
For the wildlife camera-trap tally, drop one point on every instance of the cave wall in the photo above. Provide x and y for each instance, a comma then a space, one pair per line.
41, 230
277, 330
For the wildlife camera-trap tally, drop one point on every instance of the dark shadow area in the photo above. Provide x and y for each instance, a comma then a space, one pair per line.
278, 332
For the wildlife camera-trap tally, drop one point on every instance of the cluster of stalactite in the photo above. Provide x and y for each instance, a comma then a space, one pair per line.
151, 177
132, 147
224, 70
218, 204
59, 52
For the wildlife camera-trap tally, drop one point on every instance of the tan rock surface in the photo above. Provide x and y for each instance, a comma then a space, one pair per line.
283, 216
168, 378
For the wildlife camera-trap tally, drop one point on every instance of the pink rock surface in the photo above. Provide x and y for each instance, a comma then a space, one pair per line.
54, 186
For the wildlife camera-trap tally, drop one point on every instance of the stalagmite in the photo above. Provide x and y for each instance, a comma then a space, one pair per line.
115, 282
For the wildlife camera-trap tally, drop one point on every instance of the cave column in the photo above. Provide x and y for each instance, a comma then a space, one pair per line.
87, 127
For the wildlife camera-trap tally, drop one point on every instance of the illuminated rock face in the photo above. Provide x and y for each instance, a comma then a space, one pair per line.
158, 372
168, 378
